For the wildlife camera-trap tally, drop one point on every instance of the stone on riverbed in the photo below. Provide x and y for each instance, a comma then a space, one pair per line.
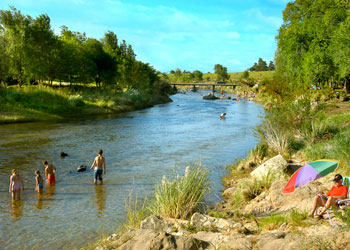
275, 166
81, 168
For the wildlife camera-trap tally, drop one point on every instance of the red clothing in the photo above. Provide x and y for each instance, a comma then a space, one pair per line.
51, 178
338, 191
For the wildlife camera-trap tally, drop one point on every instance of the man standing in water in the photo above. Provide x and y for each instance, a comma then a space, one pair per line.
50, 171
99, 162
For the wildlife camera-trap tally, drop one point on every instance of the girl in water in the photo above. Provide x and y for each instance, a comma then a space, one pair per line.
15, 185
39, 182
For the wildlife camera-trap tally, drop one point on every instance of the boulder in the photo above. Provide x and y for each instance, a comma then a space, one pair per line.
225, 241
275, 166
81, 168
155, 223
201, 220
300, 199
148, 239
275, 241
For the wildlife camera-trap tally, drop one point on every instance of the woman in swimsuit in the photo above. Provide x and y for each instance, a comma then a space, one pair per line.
39, 182
15, 185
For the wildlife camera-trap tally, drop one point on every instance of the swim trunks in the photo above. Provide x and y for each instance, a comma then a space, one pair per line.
16, 185
40, 185
51, 178
98, 174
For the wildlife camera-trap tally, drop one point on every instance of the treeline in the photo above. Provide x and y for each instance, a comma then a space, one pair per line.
261, 65
313, 43
32, 53
196, 75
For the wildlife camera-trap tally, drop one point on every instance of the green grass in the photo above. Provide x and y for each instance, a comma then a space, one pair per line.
42, 103
182, 196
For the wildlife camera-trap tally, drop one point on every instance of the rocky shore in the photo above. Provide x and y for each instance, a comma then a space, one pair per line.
271, 220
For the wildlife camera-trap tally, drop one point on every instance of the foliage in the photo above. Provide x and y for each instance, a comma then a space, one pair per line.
36, 54
261, 65
183, 196
221, 72
312, 43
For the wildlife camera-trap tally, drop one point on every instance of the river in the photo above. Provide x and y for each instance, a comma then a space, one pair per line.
140, 147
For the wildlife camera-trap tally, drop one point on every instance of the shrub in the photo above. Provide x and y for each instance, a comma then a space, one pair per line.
183, 196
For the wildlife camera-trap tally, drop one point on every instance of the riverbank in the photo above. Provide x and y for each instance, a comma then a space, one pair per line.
45, 103
254, 213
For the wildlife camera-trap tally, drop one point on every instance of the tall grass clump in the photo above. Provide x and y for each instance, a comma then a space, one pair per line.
183, 196
136, 211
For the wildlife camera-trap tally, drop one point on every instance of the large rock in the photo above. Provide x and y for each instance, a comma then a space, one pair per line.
225, 241
147, 239
201, 220
155, 223
275, 166
300, 199
278, 240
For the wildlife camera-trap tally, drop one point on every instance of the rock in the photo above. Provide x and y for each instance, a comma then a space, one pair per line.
155, 223
300, 199
63, 154
148, 239
275, 166
221, 241
81, 168
201, 220
275, 241
229, 192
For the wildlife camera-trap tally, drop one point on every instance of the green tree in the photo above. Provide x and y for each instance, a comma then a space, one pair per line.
221, 72
197, 76
15, 28
4, 66
271, 66
245, 74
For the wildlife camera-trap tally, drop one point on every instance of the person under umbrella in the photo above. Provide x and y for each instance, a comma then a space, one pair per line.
338, 191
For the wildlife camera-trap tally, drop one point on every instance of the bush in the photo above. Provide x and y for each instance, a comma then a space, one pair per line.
183, 196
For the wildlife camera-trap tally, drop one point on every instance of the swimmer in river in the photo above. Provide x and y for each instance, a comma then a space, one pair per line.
223, 116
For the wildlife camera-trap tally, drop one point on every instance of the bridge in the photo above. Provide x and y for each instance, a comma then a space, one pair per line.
205, 84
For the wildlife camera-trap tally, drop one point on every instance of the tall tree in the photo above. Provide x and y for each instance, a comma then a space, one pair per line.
15, 27
221, 72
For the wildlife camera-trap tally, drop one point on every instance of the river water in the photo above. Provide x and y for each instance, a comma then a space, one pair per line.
140, 147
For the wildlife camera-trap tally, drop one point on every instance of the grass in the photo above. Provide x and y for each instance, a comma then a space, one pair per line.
42, 103
182, 196
294, 219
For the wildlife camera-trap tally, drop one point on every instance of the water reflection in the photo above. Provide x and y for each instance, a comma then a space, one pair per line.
100, 196
51, 190
16, 209
39, 203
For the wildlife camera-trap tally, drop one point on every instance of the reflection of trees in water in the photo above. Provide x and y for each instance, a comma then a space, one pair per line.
16, 209
100, 198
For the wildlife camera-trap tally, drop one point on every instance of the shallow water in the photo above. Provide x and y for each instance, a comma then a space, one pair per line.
140, 147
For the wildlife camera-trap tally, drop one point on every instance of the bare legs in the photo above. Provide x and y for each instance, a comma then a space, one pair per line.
320, 201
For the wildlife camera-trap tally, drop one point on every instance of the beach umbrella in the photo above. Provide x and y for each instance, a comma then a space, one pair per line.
310, 172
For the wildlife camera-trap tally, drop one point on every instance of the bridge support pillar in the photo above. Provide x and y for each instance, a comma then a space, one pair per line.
194, 88
213, 89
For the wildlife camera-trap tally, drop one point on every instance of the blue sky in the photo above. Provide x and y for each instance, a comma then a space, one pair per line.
190, 35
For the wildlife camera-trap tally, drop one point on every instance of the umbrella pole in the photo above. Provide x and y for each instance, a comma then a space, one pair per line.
324, 205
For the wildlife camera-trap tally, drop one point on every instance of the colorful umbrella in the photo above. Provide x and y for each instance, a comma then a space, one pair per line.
310, 172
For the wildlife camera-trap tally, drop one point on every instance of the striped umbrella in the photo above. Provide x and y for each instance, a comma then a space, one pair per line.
310, 172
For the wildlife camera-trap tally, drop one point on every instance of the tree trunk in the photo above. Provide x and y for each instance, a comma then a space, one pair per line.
347, 85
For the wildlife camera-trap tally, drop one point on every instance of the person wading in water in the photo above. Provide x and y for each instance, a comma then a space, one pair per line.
98, 163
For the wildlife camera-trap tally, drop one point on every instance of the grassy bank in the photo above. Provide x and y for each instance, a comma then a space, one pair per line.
43, 103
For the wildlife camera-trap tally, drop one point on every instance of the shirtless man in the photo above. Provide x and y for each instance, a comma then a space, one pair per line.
50, 171
99, 162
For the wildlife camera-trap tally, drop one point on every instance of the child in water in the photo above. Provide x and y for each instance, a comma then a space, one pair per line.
39, 182
15, 185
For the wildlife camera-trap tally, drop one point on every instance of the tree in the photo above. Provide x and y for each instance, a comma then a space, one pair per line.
4, 66
197, 76
260, 66
271, 66
15, 27
221, 72
245, 74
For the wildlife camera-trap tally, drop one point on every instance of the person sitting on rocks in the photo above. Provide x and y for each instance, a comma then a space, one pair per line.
338, 191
